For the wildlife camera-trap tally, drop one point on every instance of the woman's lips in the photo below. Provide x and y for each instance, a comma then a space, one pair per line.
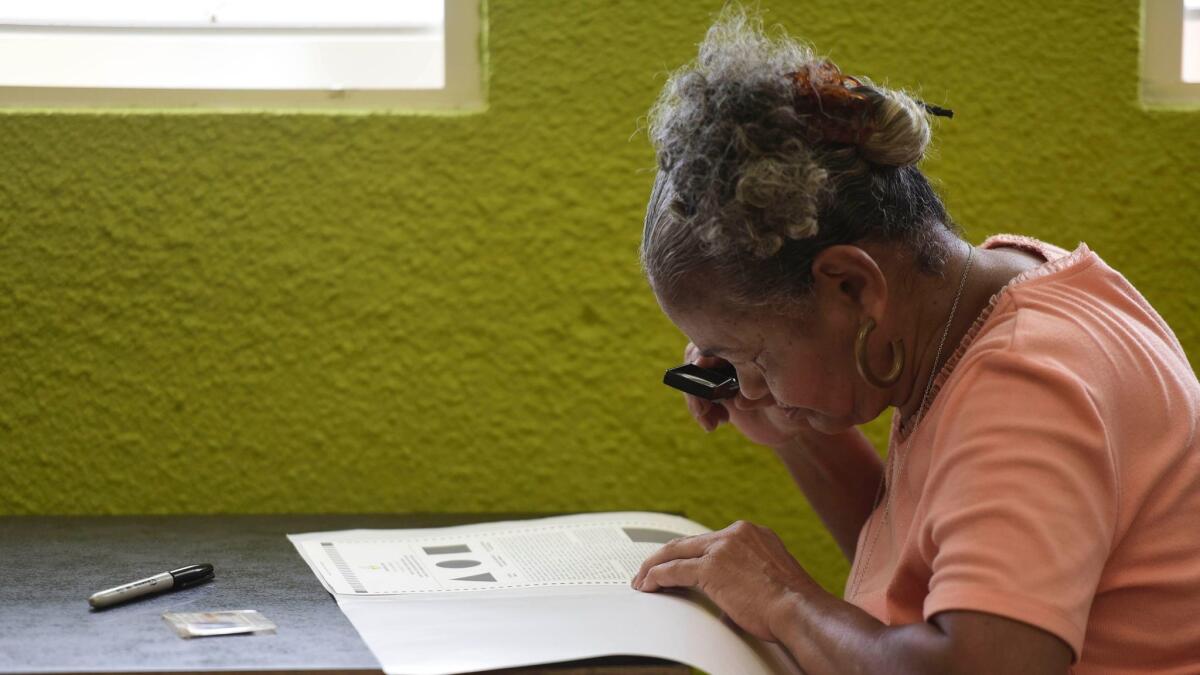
795, 413
807, 416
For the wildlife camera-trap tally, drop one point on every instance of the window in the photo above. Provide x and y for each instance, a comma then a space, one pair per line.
410, 54
1171, 53
1191, 41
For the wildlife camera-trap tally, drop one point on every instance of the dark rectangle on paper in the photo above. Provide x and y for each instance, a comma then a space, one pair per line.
439, 550
645, 535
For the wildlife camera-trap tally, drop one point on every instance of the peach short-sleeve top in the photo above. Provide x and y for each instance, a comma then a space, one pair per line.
1055, 477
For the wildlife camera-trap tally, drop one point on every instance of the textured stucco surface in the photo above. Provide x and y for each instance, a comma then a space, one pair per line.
304, 313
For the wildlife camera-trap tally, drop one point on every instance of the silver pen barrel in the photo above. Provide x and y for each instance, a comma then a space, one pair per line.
111, 596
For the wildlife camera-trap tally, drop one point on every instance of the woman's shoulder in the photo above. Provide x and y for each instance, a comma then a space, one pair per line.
1070, 323
1031, 313
1057, 261
1046, 250
1082, 318
1076, 303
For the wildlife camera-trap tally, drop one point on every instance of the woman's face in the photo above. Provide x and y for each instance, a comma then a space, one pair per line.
805, 366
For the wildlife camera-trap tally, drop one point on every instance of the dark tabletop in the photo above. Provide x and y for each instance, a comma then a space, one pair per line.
49, 565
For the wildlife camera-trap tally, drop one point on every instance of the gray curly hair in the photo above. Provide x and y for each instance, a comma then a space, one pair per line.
752, 185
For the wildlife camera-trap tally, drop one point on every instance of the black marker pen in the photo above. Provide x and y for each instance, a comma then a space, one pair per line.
180, 578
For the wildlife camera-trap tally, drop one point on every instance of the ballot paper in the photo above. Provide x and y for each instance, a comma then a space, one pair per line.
518, 593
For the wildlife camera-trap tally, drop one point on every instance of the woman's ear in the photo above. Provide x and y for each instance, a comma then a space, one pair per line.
847, 276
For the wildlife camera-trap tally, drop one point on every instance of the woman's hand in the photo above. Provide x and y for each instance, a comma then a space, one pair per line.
745, 569
760, 420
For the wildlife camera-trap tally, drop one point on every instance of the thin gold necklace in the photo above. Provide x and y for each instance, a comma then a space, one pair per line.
920, 415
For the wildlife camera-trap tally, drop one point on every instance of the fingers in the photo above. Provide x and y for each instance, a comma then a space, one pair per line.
708, 414
717, 414
683, 547
697, 406
680, 572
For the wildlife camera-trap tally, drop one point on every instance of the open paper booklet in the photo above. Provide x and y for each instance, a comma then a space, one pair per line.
516, 593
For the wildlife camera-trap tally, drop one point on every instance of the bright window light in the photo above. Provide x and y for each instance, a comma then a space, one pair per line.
1170, 61
239, 52
1191, 41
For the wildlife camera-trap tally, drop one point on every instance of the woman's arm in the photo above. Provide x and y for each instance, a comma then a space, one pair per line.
839, 475
747, 571
828, 635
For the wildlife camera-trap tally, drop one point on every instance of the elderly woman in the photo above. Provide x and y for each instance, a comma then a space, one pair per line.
1040, 504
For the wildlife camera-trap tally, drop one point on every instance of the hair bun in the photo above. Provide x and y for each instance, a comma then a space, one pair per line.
901, 129
890, 128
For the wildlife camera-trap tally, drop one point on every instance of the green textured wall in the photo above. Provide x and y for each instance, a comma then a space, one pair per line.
299, 313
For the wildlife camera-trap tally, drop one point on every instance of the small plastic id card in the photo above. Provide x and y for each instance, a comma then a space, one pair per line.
232, 622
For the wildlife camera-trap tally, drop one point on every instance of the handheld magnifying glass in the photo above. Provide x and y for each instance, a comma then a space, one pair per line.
707, 383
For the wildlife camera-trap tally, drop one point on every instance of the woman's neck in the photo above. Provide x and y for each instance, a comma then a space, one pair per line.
991, 270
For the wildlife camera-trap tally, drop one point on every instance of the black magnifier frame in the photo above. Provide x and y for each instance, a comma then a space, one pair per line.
713, 384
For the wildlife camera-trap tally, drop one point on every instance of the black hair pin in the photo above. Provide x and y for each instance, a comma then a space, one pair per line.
936, 110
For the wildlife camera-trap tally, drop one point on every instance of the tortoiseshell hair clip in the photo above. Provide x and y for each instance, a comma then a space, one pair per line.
841, 102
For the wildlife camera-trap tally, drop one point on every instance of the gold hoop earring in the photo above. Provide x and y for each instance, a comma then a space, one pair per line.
860, 357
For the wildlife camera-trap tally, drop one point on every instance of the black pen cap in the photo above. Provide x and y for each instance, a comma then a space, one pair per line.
192, 574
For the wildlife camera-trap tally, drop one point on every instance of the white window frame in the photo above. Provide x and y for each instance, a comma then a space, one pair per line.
1162, 83
461, 90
